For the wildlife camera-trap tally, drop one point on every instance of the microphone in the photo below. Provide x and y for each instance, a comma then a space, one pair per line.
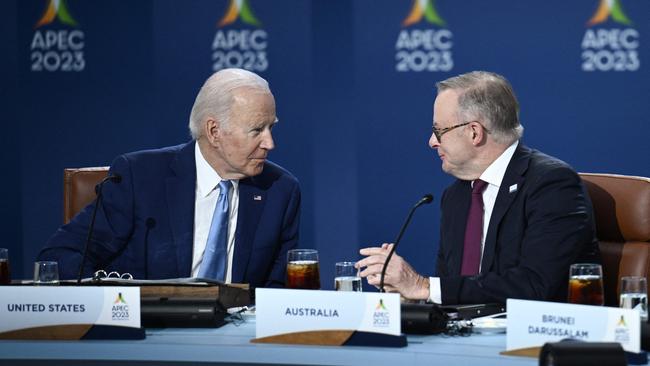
426, 199
115, 178
150, 223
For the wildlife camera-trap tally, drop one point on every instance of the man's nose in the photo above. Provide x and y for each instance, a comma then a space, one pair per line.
267, 141
433, 141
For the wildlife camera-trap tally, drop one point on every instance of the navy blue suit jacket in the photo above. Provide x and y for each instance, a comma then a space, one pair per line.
541, 223
145, 224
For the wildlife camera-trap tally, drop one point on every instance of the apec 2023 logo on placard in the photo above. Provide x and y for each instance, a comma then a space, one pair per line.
57, 43
424, 49
608, 48
242, 48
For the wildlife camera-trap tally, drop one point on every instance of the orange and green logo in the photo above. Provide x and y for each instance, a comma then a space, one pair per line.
607, 9
621, 322
426, 9
56, 9
237, 9
381, 305
119, 299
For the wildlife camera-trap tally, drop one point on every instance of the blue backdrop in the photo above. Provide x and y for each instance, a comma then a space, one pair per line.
354, 86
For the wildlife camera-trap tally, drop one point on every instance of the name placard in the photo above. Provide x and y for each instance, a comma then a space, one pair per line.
281, 311
533, 323
23, 307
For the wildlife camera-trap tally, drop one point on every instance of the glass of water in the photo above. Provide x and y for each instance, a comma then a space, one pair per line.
46, 273
346, 277
634, 295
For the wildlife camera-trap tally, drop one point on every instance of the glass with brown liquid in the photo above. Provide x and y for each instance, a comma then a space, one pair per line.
586, 284
302, 269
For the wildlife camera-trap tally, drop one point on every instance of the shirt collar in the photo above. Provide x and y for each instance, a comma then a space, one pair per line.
207, 178
497, 170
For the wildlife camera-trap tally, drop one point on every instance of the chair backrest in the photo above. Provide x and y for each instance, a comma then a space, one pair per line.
622, 214
79, 188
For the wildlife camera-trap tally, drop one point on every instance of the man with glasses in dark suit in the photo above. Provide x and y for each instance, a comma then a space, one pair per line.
513, 221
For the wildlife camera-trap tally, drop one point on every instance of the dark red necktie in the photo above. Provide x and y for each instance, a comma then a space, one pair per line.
473, 231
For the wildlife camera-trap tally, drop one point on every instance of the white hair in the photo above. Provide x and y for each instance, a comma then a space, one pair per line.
490, 96
217, 94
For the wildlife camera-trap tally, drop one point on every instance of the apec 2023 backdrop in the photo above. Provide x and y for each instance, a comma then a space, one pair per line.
82, 82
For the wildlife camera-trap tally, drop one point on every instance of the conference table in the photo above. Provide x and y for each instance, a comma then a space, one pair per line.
230, 344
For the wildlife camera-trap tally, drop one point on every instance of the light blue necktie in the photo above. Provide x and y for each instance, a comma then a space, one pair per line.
215, 257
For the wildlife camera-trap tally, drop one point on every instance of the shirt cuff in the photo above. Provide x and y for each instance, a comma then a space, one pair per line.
434, 290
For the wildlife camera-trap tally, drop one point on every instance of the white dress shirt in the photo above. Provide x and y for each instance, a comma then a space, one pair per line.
493, 175
207, 192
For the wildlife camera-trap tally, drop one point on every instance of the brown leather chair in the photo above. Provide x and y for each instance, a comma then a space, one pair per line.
622, 213
79, 188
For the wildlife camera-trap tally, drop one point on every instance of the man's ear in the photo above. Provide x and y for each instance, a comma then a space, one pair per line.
212, 130
478, 133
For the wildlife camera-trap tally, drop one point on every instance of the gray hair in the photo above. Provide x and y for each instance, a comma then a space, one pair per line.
489, 96
217, 94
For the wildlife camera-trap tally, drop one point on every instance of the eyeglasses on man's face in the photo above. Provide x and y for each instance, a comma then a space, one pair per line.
438, 132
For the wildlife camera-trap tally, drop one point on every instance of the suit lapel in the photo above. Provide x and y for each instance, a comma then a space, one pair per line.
181, 191
251, 204
514, 177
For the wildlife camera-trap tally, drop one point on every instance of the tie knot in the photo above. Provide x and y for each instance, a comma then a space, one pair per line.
479, 186
224, 186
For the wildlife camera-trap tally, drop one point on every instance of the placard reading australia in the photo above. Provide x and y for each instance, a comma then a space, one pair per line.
283, 311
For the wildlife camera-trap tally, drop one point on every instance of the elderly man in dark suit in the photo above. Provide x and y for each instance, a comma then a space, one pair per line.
214, 207
513, 221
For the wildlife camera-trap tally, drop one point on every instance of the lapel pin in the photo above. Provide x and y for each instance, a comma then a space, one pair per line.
513, 188
257, 198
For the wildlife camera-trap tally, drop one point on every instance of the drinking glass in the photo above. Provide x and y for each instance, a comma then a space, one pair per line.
46, 273
5, 273
634, 295
586, 284
346, 277
302, 269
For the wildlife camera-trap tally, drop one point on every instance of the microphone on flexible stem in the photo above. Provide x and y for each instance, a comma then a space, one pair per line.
115, 178
426, 199
151, 223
